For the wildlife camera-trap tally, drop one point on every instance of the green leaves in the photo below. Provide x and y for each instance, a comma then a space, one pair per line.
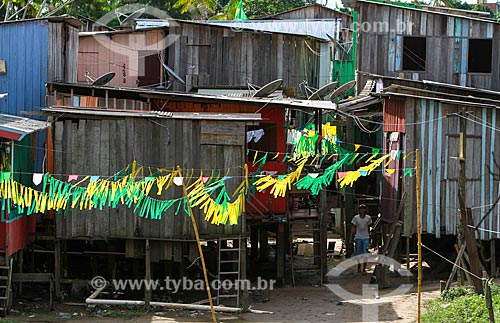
461, 305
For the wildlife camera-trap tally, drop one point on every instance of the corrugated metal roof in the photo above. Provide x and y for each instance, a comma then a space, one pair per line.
16, 128
306, 7
317, 28
157, 114
66, 18
429, 11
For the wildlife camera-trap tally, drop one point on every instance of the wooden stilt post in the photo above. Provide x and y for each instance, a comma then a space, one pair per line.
487, 297
281, 241
57, 267
493, 263
419, 235
148, 292
462, 182
195, 229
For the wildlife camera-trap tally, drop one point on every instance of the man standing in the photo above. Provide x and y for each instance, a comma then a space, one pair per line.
359, 229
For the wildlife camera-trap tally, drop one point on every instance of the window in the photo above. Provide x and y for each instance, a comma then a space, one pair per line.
149, 68
480, 54
414, 53
268, 142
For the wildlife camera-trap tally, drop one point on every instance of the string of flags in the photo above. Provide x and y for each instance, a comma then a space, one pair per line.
61, 196
130, 186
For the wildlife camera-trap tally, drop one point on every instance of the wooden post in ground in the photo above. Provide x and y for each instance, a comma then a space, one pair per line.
147, 290
263, 243
57, 267
244, 302
281, 242
474, 260
462, 179
349, 197
20, 269
487, 297
493, 261
200, 250
419, 235
324, 231
254, 242
455, 267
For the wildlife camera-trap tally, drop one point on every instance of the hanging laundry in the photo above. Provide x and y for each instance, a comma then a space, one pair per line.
255, 135
293, 136
394, 137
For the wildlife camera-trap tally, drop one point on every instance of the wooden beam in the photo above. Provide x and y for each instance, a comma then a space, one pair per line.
455, 267
147, 291
57, 267
476, 267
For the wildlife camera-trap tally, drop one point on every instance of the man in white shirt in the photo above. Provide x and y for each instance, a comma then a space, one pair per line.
361, 232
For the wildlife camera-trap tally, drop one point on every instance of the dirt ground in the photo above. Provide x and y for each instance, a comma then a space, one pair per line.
302, 303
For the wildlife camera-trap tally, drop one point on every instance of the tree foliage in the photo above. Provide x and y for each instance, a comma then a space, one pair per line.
92, 9
262, 8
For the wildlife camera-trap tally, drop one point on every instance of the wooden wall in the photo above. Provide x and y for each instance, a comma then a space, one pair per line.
102, 147
119, 53
63, 52
208, 55
380, 51
433, 128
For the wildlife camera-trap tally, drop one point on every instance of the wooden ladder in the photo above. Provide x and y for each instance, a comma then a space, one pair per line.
229, 267
5, 284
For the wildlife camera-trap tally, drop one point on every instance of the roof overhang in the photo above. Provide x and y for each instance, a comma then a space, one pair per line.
151, 94
358, 102
154, 114
16, 128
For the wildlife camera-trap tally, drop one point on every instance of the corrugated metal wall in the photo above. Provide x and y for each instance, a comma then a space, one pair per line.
433, 127
24, 47
35, 52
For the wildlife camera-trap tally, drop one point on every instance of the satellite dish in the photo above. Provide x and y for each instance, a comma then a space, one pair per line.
268, 89
103, 79
3, 95
341, 90
173, 74
323, 91
132, 17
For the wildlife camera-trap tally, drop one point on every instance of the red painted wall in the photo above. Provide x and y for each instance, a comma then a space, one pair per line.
275, 115
17, 235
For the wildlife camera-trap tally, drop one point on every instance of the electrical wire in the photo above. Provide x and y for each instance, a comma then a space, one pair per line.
451, 262
482, 123
481, 229
390, 124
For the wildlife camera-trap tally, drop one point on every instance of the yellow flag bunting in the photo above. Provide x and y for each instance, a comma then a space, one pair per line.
206, 193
